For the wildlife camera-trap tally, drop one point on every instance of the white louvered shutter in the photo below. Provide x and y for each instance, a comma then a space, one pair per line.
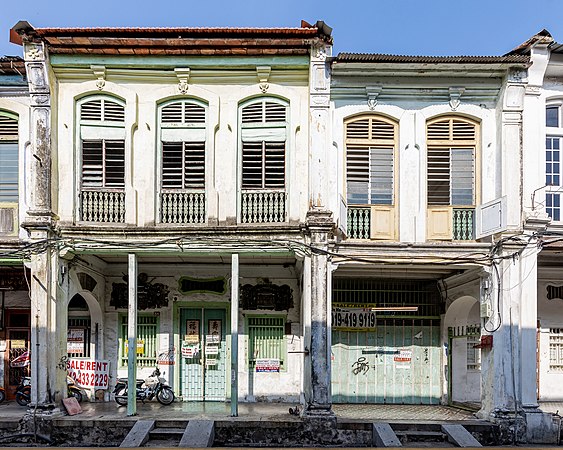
8, 159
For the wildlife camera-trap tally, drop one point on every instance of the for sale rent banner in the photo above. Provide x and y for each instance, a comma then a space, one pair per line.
87, 373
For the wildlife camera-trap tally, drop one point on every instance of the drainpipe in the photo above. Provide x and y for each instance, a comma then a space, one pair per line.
132, 337
234, 334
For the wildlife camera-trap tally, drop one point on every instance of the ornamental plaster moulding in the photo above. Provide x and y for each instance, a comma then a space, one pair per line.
263, 75
34, 52
455, 97
183, 75
372, 93
100, 74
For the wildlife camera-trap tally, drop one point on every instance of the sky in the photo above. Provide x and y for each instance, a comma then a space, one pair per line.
401, 27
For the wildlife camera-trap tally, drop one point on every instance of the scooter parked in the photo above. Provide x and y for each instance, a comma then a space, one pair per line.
147, 389
23, 391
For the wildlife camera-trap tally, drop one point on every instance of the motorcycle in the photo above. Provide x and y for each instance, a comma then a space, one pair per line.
146, 389
23, 391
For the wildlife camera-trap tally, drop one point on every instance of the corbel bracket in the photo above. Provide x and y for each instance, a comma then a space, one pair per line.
183, 75
455, 97
263, 75
100, 74
372, 93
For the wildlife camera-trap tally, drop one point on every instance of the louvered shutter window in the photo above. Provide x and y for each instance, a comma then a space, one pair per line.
264, 130
183, 145
102, 132
370, 149
103, 164
451, 162
8, 159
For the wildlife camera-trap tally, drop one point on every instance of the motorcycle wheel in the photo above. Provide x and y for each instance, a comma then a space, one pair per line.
23, 397
74, 392
2, 395
121, 396
165, 396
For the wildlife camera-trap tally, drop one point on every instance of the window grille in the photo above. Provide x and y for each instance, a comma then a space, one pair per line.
266, 339
85, 324
370, 148
556, 349
147, 327
451, 162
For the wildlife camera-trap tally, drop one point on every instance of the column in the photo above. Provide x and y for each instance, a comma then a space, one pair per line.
320, 225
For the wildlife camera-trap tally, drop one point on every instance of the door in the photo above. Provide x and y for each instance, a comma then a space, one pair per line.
399, 362
203, 352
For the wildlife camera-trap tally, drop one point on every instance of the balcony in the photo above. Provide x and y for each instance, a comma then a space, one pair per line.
102, 205
182, 207
463, 224
263, 206
371, 222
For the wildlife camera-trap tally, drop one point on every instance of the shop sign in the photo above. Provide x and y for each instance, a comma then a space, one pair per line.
75, 340
192, 331
267, 365
190, 350
140, 347
210, 362
403, 358
17, 343
353, 319
211, 349
87, 373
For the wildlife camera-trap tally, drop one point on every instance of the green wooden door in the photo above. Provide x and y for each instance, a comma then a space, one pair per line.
398, 362
203, 354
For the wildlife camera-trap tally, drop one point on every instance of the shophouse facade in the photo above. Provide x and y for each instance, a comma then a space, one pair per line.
284, 224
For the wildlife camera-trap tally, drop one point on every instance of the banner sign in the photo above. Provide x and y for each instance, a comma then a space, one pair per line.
75, 340
87, 373
353, 319
267, 365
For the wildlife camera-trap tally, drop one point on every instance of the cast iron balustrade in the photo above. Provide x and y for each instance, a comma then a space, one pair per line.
359, 224
263, 206
182, 207
463, 224
107, 205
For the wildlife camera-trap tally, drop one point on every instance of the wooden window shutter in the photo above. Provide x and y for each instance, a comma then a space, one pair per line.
9, 171
183, 165
103, 163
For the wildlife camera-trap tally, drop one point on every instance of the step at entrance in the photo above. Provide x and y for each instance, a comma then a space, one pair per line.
139, 434
170, 433
384, 436
414, 434
460, 436
198, 434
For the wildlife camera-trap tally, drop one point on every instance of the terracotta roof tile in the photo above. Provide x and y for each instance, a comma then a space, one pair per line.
384, 58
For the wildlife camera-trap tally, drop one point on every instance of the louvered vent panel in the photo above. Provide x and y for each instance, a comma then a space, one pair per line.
275, 112
92, 163
439, 130
194, 164
172, 113
113, 112
115, 164
438, 176
102, 109
463, 131
381, 175
358, 129
274, 165
252, 165
357, 163
194, 113
172, 165
8, 128
253, 113
382, 130
91, 110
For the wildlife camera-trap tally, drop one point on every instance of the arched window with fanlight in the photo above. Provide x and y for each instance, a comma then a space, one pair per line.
102, 151
183, 161
9, 169
263, 126
452, 144
371, 143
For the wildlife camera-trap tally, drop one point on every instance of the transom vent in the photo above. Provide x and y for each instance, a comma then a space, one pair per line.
182, 113
370, 128
8, 128
451, 130
264, 112
102, 110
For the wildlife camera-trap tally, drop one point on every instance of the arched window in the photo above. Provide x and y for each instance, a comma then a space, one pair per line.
553, 147
102, 145
182, 136
451, 167
263, 131
370, 160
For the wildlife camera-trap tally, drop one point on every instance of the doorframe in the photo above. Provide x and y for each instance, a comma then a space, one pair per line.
176, 316
7, 329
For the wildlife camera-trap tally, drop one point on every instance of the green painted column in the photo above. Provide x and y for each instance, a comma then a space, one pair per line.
234, 333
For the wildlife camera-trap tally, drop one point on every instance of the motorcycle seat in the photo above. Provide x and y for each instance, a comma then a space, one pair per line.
126, 380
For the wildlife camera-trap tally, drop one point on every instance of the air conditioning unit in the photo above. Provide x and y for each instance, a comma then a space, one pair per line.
8, 219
